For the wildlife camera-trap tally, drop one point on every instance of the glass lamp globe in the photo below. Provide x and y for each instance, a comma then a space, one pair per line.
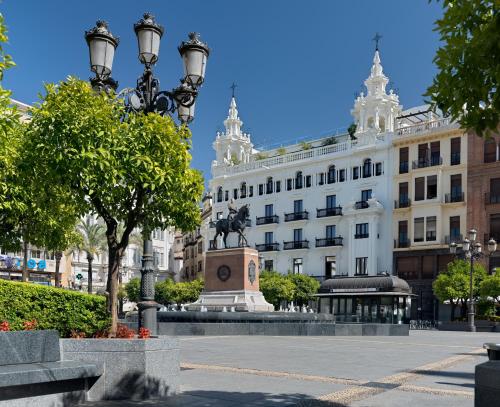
102, 45
185, 113
492, 245
148, 34
472, 234
466, 244
194, 54
453, 248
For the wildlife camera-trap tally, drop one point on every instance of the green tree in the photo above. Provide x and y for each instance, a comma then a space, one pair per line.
130, 168
164, 292
276, 287
490, 287
304, 288
92, 242
133, 289
453, 285
187, 292
468, 62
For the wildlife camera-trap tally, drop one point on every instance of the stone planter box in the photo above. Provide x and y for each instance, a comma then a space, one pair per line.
134, 369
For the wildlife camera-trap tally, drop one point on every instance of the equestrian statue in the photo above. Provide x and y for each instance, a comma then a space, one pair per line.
236, 222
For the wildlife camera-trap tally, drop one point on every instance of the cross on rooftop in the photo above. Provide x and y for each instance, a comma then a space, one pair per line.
377, 39
233, 87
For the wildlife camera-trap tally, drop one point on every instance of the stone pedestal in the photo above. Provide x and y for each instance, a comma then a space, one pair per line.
232, 280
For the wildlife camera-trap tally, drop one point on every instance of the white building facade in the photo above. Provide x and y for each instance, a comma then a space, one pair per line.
322, 208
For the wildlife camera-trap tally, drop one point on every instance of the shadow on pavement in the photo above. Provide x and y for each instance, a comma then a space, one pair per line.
462, 375
470, 385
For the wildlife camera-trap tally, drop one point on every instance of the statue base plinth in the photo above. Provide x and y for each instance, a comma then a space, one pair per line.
241, 300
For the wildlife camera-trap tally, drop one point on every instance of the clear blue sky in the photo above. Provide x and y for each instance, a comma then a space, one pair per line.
297, 64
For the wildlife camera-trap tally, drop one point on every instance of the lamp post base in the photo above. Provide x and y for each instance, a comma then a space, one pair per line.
148, 316
472, 325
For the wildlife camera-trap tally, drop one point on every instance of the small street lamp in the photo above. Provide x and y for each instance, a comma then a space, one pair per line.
473, 250
147, 97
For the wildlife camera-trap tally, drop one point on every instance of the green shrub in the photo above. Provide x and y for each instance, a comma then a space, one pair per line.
276, 287
133, 289
52, 308
305, 287
167, 292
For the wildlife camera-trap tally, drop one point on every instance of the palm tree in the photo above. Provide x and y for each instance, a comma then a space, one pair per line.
93, 240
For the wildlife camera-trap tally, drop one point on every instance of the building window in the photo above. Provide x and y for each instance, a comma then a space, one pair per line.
367, 168
268, 265
297, 266
243, 190
269, 185
456, 187
423, 154
403, 160
308, 181
199, 267
361, 231
331, 201
455, 229
455, 151
298, 180
366, 194
361, 266
331, 174
226, 195
261, 189
321, 178
250, 191
418, 230
378, 169
403, 194
289, 183
268, 238
435, 153
297, 235
330, 266
490, 151
219, 194
235, 193
342, 175
494, 196
330, 231
419, 189
355, 172
278, 186
269, 210
298, 206
200, 247
431, 186
430, 234
402, 233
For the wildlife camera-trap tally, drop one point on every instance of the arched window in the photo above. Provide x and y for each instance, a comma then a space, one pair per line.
243, 190
298, 180
331, 174
219, 194
269, 185
371, 123
381, 124
490, 151
367, 168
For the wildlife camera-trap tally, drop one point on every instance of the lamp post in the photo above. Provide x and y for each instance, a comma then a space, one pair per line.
473, 251
147, 97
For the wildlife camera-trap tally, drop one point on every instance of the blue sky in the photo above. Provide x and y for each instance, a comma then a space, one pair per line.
297, 64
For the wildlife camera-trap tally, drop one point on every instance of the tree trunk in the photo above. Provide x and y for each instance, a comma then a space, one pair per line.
25, 275
90, 259
113, 272
58, 256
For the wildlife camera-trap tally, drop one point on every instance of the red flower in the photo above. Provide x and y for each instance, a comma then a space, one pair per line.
144, 333
4, 326
30, 325
124, 332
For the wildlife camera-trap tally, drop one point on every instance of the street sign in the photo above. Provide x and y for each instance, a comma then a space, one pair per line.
79, 276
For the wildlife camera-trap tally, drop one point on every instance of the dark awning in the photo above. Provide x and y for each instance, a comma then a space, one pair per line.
365, 284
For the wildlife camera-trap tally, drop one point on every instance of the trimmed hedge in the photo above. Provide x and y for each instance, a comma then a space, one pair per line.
52, 308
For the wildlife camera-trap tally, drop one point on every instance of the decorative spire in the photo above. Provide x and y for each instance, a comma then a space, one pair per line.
233, 123
377, 81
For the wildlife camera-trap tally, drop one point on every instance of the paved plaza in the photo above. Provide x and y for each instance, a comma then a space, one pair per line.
428, 368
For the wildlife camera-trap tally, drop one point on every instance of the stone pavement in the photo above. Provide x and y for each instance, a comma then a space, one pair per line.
428, 368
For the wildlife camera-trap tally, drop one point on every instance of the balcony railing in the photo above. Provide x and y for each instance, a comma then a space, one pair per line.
458, 239
427, 162
401, 243
361, 205
402, 203
454, 197
322, 213
427, 127
296, 216
490, 198
403, 167
455, 159
361, 235
267, 247
430, 236
329, 241
296, 244
265, 220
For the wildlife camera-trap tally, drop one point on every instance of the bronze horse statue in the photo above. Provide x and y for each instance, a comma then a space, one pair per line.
236, 224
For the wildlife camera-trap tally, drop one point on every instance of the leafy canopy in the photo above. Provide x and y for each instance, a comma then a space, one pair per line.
276, 287
490, 286
468, 62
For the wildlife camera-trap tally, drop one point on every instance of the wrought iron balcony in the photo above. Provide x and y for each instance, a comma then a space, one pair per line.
430, 236
458, 239
427, 162
454, 197
403, 167
265, 220
402, 203
268, 247
455, 159
296, 244
361, 205
490, 198
329, 241
335, 211
401, 243
296, 216
361, 236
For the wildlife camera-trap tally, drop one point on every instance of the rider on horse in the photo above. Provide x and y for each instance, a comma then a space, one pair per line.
233, 210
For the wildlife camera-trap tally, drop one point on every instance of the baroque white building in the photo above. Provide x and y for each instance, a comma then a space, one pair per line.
323, 208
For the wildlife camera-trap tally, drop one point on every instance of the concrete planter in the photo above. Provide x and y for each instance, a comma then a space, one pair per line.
134, 369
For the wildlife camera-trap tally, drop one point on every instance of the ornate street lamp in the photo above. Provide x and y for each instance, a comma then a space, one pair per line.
473, 250
147, 97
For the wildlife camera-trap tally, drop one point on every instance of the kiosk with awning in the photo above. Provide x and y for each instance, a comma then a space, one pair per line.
375, 299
